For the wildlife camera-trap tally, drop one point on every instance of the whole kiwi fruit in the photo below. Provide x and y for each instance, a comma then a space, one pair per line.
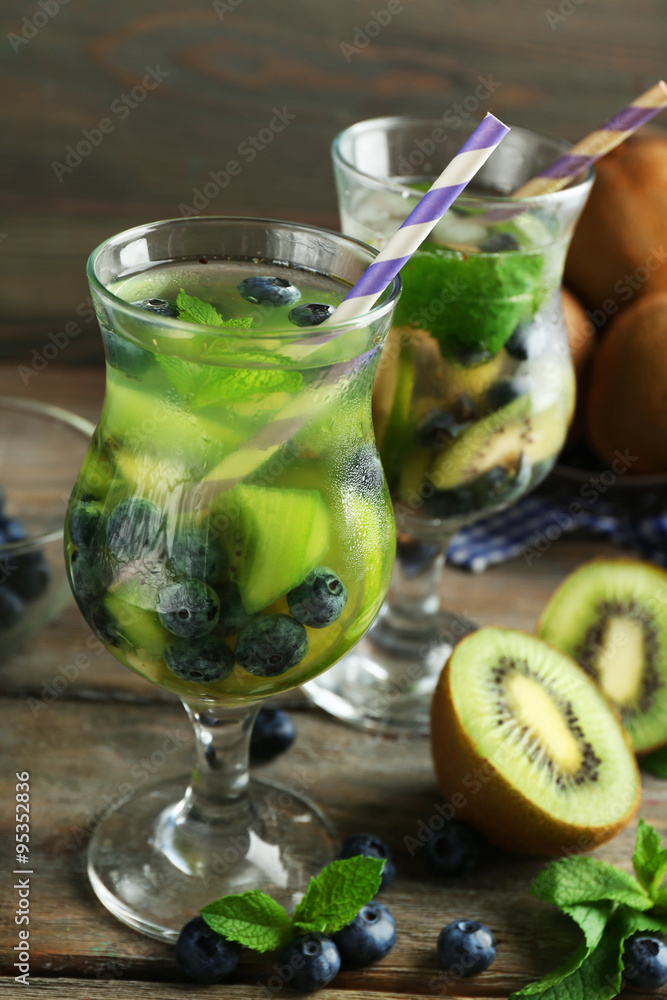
626, 409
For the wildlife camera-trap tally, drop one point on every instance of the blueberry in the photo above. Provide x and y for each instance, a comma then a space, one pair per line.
364, 472
506, 391
197, 556
310, 314
203, 661
134, 528
11, 531
439, 428
29, 575
84, 520
270, 645
269, 291
204, 956
319, 600
233, 616
499, 243
160, 306
86, 581
370, 936
370, 846
272, 734
454, 850
467, 947
189, 608
125, 356
527, 342
645, 962
314, 960
501, 484
11, 608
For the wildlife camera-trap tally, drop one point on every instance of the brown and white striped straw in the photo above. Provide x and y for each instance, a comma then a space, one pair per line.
614, 131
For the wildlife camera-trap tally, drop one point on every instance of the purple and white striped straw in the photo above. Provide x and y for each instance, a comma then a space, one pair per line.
445, 190
614, 131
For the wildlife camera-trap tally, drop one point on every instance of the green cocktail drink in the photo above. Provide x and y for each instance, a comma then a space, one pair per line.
475, 388
224, 483
230, 534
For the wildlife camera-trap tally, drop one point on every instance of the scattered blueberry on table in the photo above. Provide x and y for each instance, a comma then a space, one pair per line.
371, 847
466, 947
645, 962
454, 850
272, 734
315, 961
370, 936
204, 956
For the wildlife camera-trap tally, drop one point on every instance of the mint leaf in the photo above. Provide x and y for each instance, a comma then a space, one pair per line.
587, 880
592, 920
252, 919
650, 858
336, 895
194, 310
225, 385
655, 763
208, 385
598, 977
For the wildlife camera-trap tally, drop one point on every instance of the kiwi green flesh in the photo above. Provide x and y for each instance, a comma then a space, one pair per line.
611, 617
544, 725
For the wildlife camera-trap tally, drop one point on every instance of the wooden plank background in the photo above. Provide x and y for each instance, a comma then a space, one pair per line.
561, 66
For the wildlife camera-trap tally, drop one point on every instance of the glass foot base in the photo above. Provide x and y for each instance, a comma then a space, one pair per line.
386, 683
154, 879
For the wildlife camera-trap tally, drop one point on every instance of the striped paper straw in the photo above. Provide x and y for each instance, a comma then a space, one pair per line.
454, 178
584, 153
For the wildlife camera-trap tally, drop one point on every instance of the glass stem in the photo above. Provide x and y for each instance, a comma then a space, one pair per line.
216, 809
218, 789
414, 594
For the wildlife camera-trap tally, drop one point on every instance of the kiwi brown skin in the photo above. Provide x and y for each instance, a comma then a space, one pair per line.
626, 560
500, 812
626, 408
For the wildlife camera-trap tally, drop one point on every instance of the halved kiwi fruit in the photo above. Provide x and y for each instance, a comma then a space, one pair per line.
610, 615
538, 758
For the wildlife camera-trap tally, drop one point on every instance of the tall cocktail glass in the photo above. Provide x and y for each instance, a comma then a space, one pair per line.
230, 534
475, 387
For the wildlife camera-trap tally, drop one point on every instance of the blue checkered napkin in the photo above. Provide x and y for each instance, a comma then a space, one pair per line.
534, 524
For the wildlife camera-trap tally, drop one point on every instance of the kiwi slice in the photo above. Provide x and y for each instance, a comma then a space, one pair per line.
500, 439
531, 745
610, 615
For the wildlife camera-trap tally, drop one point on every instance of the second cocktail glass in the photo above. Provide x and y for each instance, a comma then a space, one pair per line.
475, 387
230, 535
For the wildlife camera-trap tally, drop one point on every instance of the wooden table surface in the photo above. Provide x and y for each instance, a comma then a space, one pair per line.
81, 745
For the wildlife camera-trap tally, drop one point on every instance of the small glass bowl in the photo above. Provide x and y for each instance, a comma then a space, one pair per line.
41, 450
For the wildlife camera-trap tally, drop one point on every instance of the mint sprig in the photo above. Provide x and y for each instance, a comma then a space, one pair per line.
194, 310
609, 905
332, 901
